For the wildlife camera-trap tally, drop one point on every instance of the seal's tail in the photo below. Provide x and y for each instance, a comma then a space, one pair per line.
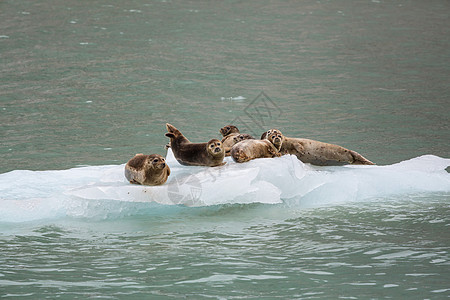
358, 159
172, 130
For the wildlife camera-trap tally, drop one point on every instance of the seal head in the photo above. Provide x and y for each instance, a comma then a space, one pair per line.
229, 129
215, 147
276, 138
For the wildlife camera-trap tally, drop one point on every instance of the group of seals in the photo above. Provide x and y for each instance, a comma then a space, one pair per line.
152, 169
232, 136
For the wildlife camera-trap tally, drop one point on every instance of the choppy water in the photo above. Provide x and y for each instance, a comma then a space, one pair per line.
84, 86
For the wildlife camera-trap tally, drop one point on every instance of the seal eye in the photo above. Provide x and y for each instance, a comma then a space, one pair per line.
155, 160
211, 146
218, 144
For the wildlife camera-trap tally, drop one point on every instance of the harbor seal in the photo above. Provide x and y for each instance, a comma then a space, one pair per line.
195, 154
147, 169
242, 137
315, 152
247, 150
230, 133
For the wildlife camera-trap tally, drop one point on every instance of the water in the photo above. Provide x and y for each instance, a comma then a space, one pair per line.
84, 86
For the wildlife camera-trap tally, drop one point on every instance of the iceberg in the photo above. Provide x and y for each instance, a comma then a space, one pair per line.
99, 190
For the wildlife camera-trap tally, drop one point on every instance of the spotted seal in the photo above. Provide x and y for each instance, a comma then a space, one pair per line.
147, 169
195, 154
315, 152
231, 136
249, 149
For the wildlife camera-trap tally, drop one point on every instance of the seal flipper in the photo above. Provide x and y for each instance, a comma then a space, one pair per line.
172, 131
273, 150
299, 148
358, 159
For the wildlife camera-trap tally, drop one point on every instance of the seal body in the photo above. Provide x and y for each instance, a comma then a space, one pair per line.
232, 136
315, 152
147, 169
228, 132
195, 154
242, 137
249, 149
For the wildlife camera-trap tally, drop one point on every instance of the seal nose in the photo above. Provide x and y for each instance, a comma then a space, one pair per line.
217, 149
163, 165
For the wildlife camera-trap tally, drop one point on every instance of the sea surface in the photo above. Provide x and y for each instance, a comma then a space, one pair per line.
84, 85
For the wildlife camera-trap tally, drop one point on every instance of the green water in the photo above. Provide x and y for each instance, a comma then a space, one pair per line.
391, 250
94, 82
80, 78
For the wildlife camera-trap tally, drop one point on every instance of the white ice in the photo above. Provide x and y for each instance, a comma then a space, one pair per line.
30, 195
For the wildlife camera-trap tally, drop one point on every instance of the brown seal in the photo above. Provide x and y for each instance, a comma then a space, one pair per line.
229, 130
247, 150
147, 169
195, 154
230, 133
315, 152
242, 137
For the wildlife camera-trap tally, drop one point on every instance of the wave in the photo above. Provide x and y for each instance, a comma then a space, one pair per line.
101, 191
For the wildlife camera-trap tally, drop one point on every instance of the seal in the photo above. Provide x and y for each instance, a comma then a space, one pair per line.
242, 137
229, 130
195, 154
147, 169
315, 152
230, 133
247, 150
